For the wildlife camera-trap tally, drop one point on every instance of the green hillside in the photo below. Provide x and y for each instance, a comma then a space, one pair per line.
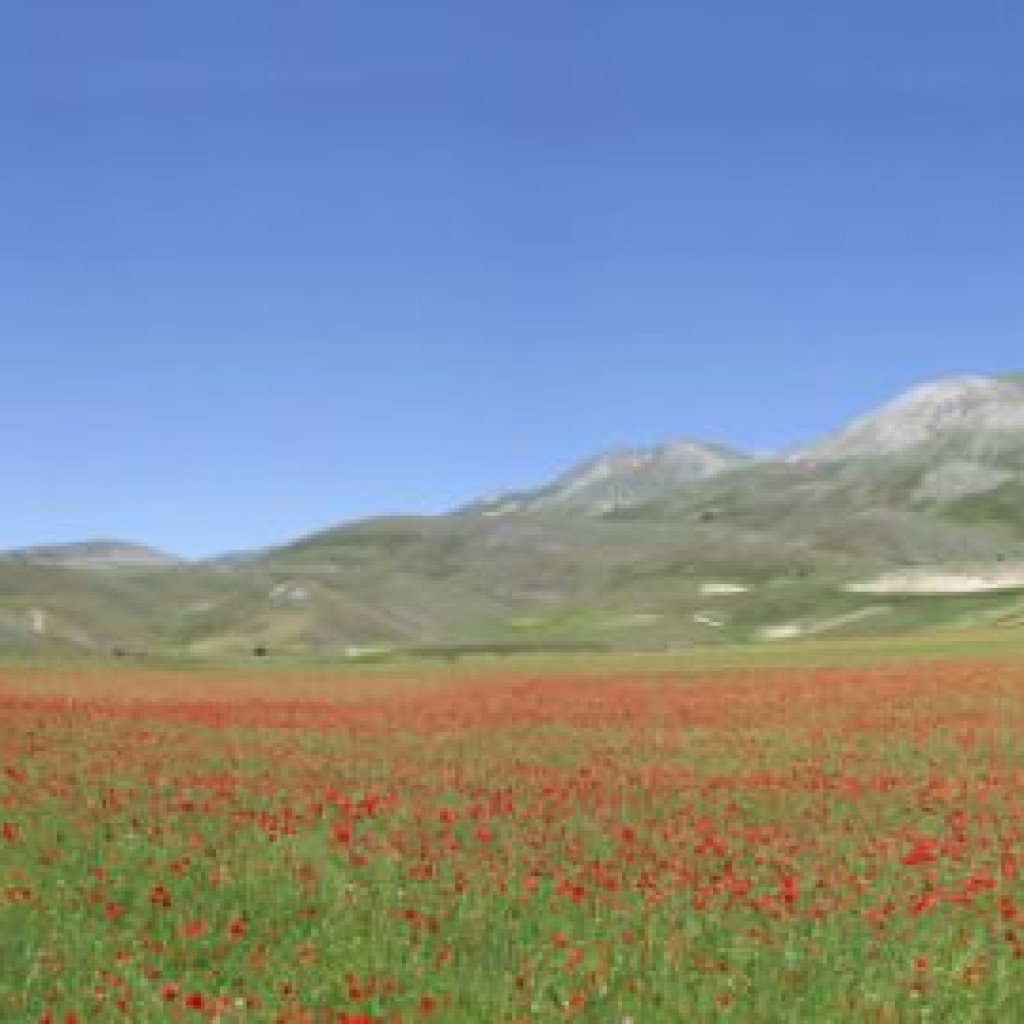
676, 546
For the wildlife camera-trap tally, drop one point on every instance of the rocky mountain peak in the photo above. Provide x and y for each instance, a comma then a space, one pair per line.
96, 554
978, 412
622, 477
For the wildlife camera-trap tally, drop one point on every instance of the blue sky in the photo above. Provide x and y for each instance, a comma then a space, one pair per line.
266, 266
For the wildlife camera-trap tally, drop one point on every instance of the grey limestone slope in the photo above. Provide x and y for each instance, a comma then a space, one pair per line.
618, 479
974, 418
93, 554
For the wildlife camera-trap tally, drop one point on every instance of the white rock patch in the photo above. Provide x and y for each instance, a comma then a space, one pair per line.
937, 583
712, 589
792, 630
703, 619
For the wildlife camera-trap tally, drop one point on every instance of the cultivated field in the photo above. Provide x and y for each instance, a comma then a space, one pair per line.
785, 844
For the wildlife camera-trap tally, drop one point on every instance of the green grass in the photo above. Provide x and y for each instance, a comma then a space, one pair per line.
1003, 505
637, 846
980, 643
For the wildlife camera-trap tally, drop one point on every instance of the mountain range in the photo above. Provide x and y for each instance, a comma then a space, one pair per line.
910, 517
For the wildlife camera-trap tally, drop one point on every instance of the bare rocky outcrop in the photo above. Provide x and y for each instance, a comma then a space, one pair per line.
621, 479
979, 414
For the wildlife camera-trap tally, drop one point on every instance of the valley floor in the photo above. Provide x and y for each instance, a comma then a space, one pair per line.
595, 841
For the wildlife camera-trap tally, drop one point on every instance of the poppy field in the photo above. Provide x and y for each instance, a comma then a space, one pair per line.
800, 845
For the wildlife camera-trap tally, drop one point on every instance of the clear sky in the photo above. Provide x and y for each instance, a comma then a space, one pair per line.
268, 265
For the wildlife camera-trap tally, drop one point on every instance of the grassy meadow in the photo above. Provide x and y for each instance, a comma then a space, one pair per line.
802, 832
